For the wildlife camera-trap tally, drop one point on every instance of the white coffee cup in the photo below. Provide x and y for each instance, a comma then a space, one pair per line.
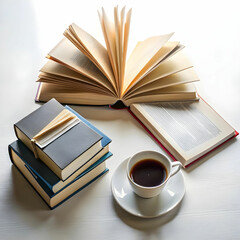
171, 169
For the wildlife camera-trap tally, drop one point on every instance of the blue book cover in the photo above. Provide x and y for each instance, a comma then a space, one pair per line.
49, 178
21, 158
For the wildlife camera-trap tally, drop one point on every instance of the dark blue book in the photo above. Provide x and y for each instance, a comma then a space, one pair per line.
28, 165
41, 170
65, 153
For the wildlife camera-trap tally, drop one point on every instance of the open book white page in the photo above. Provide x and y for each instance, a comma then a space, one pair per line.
184, 123
189, 128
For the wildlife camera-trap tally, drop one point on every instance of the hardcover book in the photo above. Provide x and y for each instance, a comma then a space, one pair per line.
81, 70
38, 168
42, 171
28, 165
67, 152
186, 130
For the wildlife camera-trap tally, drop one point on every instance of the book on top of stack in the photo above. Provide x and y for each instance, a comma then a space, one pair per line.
58, 151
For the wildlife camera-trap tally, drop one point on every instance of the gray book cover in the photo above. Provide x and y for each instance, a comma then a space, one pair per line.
69, 146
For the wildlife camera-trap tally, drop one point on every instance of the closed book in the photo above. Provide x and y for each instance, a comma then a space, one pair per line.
69, 151
41, 170
22, 158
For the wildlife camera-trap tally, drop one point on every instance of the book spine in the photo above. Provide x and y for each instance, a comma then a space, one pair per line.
10, 153
12, 149
118, 105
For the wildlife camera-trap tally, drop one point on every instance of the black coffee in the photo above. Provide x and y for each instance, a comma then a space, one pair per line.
148, 173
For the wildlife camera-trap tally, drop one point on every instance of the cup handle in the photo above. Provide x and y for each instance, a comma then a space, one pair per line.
178, 166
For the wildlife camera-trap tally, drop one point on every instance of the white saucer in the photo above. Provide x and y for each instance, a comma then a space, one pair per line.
168, 199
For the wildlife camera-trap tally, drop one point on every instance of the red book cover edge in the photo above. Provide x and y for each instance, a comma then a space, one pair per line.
166, 150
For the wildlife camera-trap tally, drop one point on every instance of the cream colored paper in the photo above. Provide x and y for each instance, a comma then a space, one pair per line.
93, 49
186, 76
110, 38
67, 54
141, 56
64, 121
178, 62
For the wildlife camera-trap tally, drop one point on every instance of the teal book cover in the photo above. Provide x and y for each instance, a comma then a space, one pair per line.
40, 170
25, 167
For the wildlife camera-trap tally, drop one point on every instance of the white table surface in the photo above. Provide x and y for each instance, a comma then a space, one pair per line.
210, 30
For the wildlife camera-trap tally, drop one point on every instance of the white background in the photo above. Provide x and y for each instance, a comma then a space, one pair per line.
210, 30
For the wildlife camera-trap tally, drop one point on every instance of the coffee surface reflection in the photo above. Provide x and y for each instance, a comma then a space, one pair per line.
148, 173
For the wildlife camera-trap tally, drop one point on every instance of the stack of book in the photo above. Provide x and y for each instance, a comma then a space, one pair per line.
58, 151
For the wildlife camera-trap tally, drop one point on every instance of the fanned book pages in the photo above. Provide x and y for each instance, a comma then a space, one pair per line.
80, 70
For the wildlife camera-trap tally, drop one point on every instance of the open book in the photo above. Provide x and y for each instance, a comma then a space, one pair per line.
186, 130
81, 70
